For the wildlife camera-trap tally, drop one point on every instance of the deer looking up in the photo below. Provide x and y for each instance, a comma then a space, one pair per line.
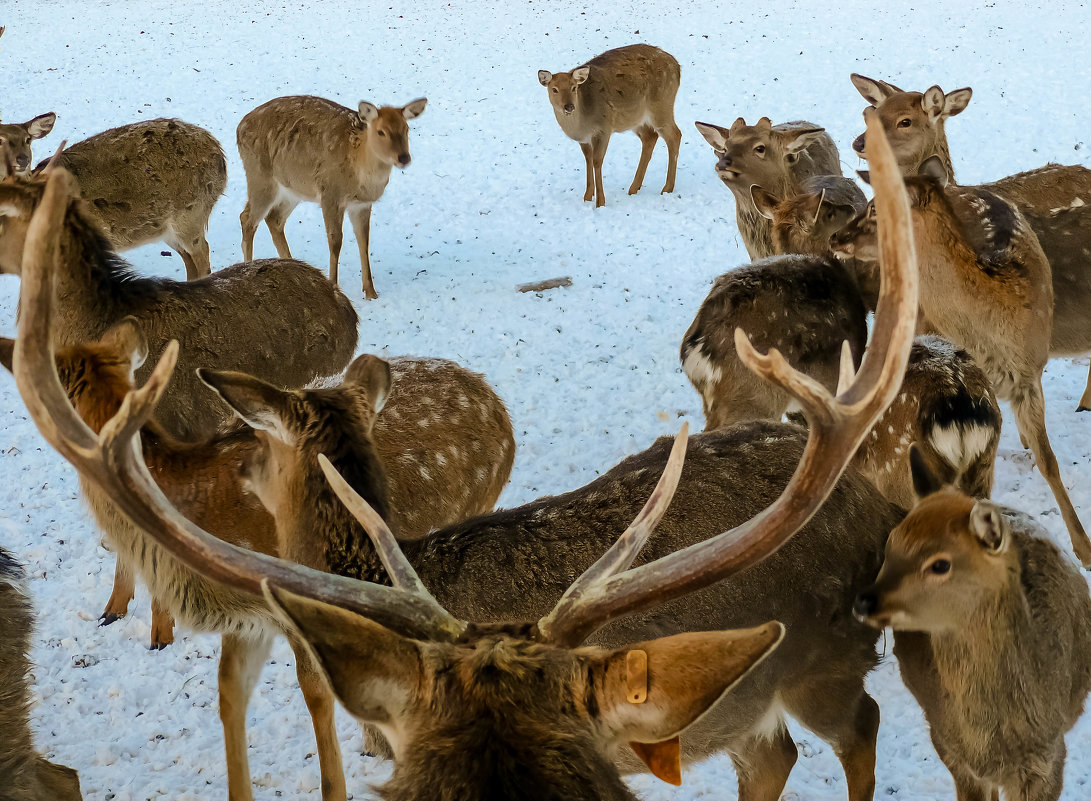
523, 710
628, 88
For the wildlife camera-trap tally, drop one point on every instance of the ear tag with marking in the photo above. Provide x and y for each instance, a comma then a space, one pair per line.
636, 676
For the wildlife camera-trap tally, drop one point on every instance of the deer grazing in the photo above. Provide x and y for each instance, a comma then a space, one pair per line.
24, 774
307, 148
277, 318
564, 719
986, 286
628, 88
778, 158
992, 631
444, 439
150, 181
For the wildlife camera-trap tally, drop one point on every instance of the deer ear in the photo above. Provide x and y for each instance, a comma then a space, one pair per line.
367, 111
650, 698
544, 77
925, 480
580, 76
990, 527
371, 374
865, 176
764, 201
375, 673
955, 102
258, 404
932, 167
874, 92
7, 352
413, 110
714, 135
932, 102
795, 141
41, 125
127, 339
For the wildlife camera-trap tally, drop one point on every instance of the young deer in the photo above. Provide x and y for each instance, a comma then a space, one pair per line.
986, 286
277, 318
520, 710
805, 222
779, 158
19, 139
150, 181
24, 775
992, 630
628, 88
307, 148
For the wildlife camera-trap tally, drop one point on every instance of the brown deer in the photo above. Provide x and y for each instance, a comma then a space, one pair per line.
443, 436
986, 286
150, 181
277, 318
629, 88
24, 775
992, 630
778, 158
19, 139
307, 148
805, 222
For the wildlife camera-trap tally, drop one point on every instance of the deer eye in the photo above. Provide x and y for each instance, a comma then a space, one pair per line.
791, 158
760, 150
381, 133
554, 90
905, 122
940, 567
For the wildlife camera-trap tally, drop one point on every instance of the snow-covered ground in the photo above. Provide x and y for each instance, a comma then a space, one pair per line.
494, 198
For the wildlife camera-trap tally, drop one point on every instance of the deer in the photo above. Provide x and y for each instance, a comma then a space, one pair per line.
1054, 199
150, 181
24, 774
532, 689
805, 222
992, 632
986, 286
444, 438
19, 139
629, 88
308, 148
778, 158
279, 318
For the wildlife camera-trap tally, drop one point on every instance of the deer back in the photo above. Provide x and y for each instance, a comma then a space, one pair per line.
1065, 236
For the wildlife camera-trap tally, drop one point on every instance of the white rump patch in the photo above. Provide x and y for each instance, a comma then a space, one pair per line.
699, 369
961, 445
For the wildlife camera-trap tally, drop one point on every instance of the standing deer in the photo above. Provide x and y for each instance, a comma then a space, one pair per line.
986, 286
24, 775
628, 88
521, 710
778, 158
150, 181
277, 318
307, 148
992, 630
19, 139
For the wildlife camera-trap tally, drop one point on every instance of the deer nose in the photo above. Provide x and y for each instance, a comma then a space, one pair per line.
858, 144
22, 161
725, 161
866, 604
404, 159
569, 108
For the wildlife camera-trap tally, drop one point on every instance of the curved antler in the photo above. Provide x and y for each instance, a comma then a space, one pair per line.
114, 460
838, 426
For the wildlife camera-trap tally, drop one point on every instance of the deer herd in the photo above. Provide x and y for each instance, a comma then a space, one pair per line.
261, 481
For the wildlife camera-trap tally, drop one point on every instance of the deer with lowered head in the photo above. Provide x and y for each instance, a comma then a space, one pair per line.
985, 285
150, 181
992, 631
277, 318
525, 709
805, 222
308, 148
779, 158
629, 88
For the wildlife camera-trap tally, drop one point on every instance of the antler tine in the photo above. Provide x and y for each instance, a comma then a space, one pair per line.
115, 463
402, 574
624, 551
55, 159
846, 373
837, 427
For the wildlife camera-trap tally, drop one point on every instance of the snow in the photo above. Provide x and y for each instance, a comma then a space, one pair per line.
493, 198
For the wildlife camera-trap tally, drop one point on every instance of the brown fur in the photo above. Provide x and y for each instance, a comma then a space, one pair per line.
778, 158
149, 181
308, 148
804, 223
18, 140
994, 641
628, 88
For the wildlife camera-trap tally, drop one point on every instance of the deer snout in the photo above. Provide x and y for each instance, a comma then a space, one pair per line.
865, 605
569, 108
404, 159
858, 144
22, 161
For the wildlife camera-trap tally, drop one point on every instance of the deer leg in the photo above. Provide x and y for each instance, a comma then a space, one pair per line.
123, 592
648, 138
260, 198
241, 660
194, 253
275, 219
1085, 398
673, 137
188, 261
598, 155
1040, 779
762, 765
162, 626
587, 158
334, 218
361, 226
1029, 410
321, 704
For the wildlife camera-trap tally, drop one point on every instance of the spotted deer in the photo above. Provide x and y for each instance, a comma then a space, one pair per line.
805, 222
444, 439
24, 774
629, 88
986, 286
559, 712
1055, 200
278, 318
150, 181
992, 631
778, 158
308, 148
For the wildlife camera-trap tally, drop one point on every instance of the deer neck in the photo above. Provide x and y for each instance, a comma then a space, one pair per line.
940, 149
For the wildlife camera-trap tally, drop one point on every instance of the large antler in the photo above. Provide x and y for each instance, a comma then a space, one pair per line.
114, 461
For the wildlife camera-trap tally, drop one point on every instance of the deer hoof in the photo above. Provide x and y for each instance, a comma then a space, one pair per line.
1082, 408
106, 618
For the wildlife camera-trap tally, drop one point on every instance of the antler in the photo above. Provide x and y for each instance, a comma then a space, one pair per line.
838, 426
114, 461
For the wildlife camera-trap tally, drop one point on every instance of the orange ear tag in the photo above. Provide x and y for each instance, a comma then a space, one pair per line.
636, 676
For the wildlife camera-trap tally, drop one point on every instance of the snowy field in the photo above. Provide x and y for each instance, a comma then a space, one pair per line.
494, 198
